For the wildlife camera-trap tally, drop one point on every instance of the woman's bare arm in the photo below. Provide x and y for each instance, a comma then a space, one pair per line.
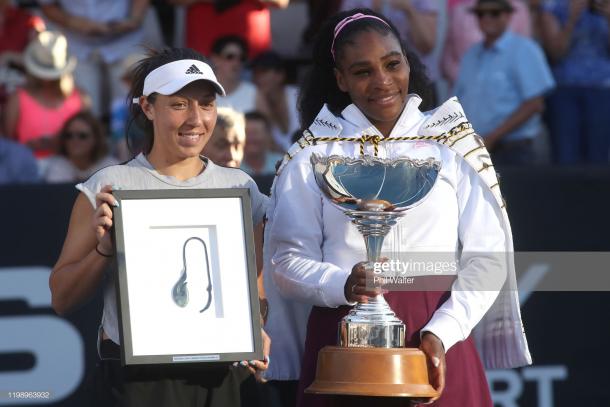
80, 267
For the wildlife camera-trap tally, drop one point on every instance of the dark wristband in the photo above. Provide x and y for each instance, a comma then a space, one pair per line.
103, 254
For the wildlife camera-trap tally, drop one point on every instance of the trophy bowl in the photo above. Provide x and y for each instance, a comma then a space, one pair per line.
373, 193
371, 183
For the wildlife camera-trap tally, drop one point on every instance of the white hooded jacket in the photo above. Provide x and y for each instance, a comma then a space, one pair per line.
310, 246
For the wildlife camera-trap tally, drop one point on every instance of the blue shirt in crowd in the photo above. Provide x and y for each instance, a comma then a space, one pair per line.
17, 163
587, 62
493, 82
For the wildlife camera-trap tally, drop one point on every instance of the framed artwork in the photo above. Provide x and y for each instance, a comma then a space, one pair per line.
186, 284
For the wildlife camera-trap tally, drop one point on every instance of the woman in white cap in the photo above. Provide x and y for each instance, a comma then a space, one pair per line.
175, 93
35, 113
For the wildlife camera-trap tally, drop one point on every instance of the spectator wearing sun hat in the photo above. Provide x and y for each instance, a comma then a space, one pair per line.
463, 32
502, 83
35, 113
100, 34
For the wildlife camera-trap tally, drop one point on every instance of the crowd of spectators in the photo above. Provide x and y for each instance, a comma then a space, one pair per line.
533, 76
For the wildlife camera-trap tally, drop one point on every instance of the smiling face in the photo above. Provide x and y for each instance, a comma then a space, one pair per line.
182, 122
374, 72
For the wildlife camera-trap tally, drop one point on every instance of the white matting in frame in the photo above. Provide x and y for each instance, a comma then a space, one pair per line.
187, 276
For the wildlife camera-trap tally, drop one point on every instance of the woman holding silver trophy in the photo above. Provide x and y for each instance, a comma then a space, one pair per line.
361, 104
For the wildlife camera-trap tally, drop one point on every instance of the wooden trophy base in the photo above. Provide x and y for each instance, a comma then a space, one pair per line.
383, 372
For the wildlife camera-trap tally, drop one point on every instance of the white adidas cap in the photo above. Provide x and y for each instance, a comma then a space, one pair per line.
170, 78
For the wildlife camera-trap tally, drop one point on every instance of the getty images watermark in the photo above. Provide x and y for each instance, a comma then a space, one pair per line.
400, 272
489, 271
401, 267
438, 271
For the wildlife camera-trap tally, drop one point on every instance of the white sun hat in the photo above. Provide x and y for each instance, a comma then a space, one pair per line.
47, 57
170, 78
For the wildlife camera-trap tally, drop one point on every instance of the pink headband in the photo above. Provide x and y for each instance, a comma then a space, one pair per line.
341, 25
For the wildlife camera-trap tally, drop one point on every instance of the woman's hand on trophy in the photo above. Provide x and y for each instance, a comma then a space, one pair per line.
102, 220
257, 367
356, 288
433, 347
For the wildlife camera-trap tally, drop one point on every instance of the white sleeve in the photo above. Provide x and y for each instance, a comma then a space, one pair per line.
296, 237
90, 188
258, 200
482, 265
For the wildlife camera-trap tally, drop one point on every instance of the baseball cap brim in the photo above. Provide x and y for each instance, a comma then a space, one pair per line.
170, 78
174, 86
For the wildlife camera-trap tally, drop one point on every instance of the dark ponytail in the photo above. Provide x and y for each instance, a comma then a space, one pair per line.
320, 86
153, 60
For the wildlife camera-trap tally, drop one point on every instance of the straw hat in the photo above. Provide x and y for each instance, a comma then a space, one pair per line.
46, 56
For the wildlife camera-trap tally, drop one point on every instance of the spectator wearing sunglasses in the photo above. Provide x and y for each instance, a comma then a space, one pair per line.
502, 83
463, 32
228, 57
82, 150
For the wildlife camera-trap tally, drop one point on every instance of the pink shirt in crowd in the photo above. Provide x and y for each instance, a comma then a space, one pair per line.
463, 32
37, 121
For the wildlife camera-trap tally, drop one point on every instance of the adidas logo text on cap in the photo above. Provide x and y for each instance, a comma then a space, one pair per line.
193, 70
173, 76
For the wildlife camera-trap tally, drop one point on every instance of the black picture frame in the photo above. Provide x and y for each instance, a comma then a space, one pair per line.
149, 227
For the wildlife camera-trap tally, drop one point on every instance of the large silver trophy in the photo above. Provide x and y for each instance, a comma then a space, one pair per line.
374, 193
